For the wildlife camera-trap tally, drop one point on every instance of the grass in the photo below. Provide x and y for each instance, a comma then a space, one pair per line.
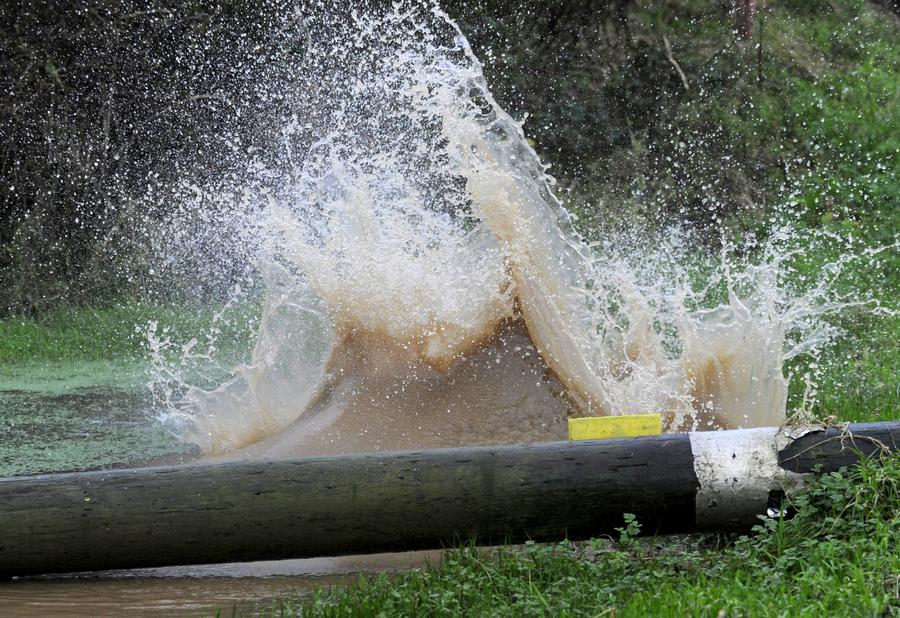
837, 557
859, 382
119, 331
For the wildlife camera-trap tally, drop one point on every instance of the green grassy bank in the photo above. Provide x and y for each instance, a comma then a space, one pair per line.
838, 556
118, 331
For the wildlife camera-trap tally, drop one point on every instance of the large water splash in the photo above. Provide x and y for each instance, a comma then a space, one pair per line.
424, 285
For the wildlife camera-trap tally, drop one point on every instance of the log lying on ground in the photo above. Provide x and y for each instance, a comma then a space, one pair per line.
326, 506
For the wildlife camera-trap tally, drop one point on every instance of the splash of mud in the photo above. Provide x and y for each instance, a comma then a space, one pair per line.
425, 287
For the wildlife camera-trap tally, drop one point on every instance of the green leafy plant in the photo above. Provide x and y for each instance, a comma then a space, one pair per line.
630, 531
837, 556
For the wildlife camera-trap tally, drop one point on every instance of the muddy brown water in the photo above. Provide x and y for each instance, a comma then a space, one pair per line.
245, 589
387, 399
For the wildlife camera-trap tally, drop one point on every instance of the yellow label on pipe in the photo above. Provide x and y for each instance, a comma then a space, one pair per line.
627, 426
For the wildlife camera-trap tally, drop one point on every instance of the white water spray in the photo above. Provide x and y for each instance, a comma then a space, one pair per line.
425, 287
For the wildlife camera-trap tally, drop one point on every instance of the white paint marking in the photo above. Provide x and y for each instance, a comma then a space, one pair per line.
737, 470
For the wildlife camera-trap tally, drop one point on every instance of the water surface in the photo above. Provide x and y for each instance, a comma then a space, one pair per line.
246, 589
80, 415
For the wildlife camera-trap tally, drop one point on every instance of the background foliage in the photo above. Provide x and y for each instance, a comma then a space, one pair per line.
645, 108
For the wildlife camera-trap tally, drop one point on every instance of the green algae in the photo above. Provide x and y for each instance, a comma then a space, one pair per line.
80, 415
